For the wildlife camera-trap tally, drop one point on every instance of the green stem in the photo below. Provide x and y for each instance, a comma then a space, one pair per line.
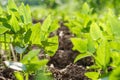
13, 53
5, 47
0, 51
20, 56
27, 76
5, 41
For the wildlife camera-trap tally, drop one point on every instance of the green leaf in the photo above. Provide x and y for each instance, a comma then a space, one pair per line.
91, 46
20, 49
31, 54
3, 29
41, 75
95, 31
79, 44
52, 45
115, 75
25, 13
11, 5
43, 35
115, 59
74, 26
1, 10
103, 54
27, 36
114, 24
82, 55
7, 25
46, 24
36, 65
91, 43
14, 23
47, 27
115, 45
92, 75
86, 20
35, 35
3, 19
76, 30
85, 8
54, 26
19, 75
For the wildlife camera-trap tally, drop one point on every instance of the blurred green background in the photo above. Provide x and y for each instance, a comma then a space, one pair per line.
98, 5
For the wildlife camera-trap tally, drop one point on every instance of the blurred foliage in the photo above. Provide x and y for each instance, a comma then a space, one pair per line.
97, 4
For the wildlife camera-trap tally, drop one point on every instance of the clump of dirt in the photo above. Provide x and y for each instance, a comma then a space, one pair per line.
6, 74
87, 61
62, 58
70, 72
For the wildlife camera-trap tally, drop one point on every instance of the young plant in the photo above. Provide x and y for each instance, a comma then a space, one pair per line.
28, 65
22, 33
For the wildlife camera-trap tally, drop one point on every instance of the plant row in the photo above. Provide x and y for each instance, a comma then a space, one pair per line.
96, 35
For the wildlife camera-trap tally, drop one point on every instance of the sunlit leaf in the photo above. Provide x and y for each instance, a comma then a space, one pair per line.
35, 35
115, 75
36, 65
82, 55
31, 54
95, 31
52, 46
25, 13
54, 26
115, 45
103, 54
19, 75
92, 75
43, 35
91, 44
116, 59
41, 75
79, 44
1, 10
114, 24
75, 27
11, 5
27, 35
46, 24
14, 23
3, 29
85, 8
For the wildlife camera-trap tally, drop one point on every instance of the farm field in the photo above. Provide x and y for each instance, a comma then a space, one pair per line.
60, 40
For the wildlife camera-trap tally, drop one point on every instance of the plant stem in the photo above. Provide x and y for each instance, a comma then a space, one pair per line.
5, 41
20, 56
27, 76
5, 47
13, 53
